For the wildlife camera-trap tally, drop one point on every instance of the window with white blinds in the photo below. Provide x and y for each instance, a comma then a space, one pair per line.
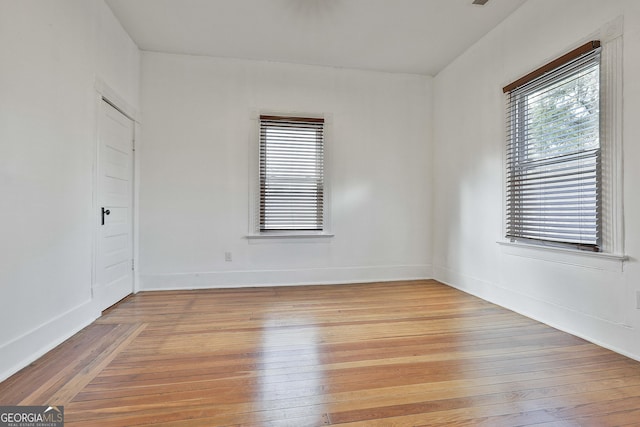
291, 174
553, 154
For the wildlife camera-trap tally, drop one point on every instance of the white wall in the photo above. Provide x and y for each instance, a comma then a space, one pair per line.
53, 52
590, 297
194, 189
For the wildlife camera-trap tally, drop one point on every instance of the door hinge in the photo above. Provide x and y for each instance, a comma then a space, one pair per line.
133, 265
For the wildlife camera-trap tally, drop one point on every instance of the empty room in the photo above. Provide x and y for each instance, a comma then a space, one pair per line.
319, 212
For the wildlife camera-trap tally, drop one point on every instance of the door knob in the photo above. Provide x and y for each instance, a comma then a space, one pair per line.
105, 212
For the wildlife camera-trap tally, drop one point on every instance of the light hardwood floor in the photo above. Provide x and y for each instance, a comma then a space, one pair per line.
384, 354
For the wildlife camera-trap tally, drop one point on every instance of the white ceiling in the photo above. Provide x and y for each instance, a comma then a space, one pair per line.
408, 36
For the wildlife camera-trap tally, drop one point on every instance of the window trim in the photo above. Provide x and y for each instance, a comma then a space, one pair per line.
254, 232
611, 81
594, 260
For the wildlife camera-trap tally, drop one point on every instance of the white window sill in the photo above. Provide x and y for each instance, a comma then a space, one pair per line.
594, 260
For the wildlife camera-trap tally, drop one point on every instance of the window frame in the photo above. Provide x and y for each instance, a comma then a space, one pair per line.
254, 231
612, 254
538, 230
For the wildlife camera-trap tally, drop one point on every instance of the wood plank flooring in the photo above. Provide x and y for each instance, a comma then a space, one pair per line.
383, 354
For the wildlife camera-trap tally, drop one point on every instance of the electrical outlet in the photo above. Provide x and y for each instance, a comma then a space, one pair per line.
638, 300
228, 257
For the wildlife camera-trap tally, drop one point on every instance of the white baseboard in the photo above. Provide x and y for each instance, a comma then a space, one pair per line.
27, 348
257, 278
602, 332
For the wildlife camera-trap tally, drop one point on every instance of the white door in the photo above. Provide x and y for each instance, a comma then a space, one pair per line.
114, 254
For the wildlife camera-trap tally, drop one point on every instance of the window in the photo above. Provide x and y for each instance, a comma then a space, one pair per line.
554, 193
291, 177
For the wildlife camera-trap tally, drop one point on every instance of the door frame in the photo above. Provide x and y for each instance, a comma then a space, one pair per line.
104, 93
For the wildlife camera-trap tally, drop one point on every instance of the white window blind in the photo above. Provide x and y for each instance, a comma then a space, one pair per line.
291, 174
553, 155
